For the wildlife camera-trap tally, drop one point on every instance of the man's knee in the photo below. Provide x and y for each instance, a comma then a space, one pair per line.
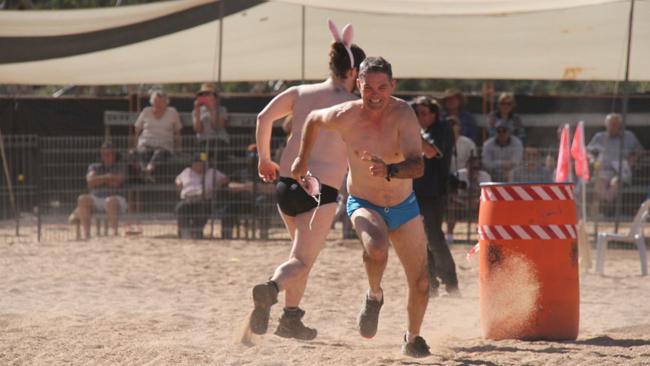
422, 283
375, 250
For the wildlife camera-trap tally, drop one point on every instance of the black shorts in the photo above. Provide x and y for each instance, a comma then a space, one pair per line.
293, 200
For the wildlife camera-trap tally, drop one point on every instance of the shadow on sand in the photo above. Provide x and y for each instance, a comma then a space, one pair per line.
493, 348
606, 341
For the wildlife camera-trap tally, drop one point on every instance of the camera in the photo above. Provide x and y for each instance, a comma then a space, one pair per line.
429, 140
203, 100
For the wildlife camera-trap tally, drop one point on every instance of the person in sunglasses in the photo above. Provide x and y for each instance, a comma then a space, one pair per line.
505, 112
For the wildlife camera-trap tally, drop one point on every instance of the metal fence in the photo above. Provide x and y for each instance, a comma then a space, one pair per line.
47, 175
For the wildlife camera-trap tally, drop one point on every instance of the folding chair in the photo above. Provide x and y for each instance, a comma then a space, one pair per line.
635, 235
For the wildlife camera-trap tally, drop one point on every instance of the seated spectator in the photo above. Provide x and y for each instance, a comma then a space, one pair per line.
604, 153
502, 153
158, 131
196, 186
246, 195
209, 119
105, 181
463, 147
505, 112
533, 169
464, 204
453, 103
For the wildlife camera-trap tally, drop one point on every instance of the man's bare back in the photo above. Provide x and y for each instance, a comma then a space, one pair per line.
328, 161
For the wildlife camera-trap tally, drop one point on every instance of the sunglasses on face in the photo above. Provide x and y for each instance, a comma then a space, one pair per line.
501, 130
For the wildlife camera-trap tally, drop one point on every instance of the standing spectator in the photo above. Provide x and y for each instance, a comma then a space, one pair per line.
431, 192
209, 120
463, 146
105, 181
453, 102
533, 170
464, 204
505, 112
158, 131
502, 153
604, 152
196, 185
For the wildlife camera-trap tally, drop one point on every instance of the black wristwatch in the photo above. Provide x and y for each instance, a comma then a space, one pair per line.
391, 171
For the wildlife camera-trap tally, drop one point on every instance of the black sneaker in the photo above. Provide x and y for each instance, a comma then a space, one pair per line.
369, 316
264, 296
417, 348
291, 326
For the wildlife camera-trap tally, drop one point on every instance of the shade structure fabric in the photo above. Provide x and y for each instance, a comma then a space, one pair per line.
179, 41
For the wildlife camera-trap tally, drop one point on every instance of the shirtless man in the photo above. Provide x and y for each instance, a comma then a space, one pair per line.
328, 163
384, 152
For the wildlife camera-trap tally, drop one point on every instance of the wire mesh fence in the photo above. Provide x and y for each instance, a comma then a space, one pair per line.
47, 175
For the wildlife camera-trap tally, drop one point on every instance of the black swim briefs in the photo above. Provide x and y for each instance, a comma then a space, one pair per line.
293, 200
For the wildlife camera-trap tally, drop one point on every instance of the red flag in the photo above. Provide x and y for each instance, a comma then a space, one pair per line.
562, 169
579, 153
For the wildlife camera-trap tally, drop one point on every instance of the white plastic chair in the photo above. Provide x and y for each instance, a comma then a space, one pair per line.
635, 235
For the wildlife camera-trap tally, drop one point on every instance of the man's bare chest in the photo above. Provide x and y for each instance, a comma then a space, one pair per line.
378, 139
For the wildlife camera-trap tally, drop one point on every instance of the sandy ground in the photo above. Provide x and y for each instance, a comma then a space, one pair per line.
120, 301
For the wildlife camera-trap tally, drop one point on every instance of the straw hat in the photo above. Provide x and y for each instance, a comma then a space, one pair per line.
207, 88
454, 93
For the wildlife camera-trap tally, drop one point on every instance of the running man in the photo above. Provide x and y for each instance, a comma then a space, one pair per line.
384, 152
296, 207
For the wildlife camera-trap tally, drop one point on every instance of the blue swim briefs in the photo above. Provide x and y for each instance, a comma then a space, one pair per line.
394, 216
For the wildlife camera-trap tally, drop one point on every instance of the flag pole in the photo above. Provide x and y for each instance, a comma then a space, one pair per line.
584, 247
626, 96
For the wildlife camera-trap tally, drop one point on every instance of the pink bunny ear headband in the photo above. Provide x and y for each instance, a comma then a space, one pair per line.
346, 40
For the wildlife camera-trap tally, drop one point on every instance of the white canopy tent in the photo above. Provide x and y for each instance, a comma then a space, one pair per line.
179, 41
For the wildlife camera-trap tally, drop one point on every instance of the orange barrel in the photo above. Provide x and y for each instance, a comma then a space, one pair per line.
528, 274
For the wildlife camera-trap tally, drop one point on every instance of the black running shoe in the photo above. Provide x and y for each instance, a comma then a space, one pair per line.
418, 348
264, 296
369, 316
291, 326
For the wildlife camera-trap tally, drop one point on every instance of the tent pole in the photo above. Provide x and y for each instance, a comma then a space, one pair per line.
302, 45
626, 97
12, 197
220, 55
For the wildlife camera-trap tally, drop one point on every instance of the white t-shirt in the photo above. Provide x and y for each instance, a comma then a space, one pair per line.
192, 182
464, 149
158, 133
